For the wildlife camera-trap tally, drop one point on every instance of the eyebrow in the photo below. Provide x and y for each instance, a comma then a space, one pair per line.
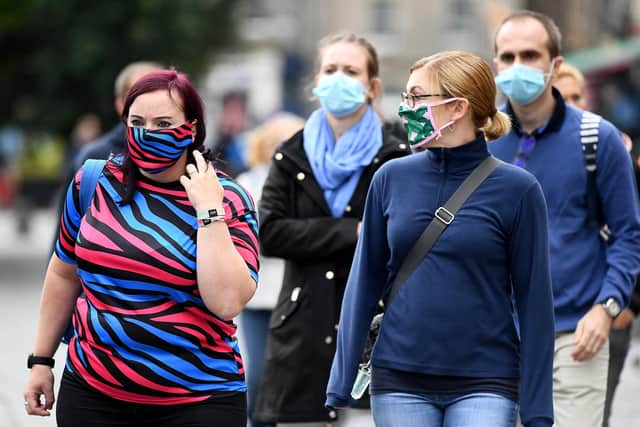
411, 89
153, 118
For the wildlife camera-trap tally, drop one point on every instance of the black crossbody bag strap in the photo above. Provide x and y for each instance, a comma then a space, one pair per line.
443, 217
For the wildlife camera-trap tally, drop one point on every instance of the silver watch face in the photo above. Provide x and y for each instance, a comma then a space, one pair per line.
612, 307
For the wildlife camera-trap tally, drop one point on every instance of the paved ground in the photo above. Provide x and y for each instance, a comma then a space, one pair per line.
23, 260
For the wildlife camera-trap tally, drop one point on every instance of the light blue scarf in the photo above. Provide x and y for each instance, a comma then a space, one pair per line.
337, 166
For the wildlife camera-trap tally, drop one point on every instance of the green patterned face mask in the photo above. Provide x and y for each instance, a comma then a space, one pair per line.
419, 123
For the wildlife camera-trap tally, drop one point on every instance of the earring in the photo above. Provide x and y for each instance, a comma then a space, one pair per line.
451, 128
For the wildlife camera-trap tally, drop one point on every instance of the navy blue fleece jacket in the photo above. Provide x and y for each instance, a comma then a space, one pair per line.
454, 315
584, 269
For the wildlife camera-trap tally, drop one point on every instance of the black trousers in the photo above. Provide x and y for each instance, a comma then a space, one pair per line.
79, 405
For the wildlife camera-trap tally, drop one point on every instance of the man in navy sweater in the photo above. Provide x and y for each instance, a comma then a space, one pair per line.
592, 280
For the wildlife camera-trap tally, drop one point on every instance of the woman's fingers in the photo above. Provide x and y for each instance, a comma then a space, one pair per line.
201, 163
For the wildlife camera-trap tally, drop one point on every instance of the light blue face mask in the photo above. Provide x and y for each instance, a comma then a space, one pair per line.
340, 94
522, 84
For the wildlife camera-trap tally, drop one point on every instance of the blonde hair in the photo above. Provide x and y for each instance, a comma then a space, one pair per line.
464, 75
264, 139
566, 70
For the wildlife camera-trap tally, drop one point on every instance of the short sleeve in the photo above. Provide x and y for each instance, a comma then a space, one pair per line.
242, 221
70, 222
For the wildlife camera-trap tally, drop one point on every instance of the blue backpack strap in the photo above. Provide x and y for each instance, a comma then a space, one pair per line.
91, 171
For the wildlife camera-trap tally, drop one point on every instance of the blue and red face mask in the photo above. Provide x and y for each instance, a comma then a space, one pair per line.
155, 151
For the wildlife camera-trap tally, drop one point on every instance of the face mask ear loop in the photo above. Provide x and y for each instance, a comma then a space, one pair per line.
438, 133
549, 75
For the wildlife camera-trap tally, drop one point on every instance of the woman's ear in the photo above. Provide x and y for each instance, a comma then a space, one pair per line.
375, 89
194, 129
460, 108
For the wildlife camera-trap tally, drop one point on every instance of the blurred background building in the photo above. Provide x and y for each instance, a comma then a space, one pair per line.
252, 58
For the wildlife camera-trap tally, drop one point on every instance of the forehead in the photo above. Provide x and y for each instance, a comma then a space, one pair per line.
422, 78
522, 34
344, 53
567, 84
157, 103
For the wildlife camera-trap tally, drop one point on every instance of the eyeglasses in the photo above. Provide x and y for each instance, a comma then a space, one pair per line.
410, 99
527, 144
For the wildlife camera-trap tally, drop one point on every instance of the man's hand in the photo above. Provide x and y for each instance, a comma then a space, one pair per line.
591, 334
623, 320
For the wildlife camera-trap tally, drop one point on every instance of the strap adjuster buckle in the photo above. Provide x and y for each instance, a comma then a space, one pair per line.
444, 215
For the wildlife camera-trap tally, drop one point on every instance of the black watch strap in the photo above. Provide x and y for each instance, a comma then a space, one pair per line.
38, 360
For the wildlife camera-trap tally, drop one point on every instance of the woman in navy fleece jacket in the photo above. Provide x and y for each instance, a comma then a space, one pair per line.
449, 352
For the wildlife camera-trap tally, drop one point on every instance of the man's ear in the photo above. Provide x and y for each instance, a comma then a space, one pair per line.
559, 60
118, 104
495, 65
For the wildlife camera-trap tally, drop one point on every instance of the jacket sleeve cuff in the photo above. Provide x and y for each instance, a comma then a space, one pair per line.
335, 401
539, 422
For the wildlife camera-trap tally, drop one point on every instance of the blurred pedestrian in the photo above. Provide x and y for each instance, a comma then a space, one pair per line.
86, 129
254, 320
592, 279
114, 141
167, 255
570, 82
310, 212
432, 366
230, 145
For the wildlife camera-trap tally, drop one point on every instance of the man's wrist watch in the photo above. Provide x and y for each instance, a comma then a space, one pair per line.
39, 360
612, 307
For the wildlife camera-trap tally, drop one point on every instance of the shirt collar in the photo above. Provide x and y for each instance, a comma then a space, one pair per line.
552, 125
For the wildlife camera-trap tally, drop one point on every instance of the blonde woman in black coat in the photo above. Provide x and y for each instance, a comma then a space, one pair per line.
310, 213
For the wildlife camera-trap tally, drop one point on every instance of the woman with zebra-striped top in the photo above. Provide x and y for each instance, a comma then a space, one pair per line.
166, 255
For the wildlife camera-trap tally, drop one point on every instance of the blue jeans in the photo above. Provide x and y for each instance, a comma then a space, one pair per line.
255, 326
443, 410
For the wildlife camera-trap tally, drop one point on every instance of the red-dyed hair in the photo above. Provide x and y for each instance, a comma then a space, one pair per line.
176, 83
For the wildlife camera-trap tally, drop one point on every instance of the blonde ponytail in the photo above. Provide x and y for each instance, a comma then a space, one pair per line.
497, 125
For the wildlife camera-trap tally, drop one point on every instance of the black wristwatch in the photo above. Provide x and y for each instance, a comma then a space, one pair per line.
38, 360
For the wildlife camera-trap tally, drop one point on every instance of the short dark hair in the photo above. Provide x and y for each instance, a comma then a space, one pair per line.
554, 37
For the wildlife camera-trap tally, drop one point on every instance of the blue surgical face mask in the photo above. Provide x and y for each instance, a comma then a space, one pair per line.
523, 84
340, 94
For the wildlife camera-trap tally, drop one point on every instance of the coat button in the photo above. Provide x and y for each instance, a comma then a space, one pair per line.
336, 326
347, 208
328, 339
332, 414
300, 176
278, 156
403, 146
376, 160
329, 275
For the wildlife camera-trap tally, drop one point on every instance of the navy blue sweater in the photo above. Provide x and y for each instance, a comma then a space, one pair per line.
584, 270
454, 314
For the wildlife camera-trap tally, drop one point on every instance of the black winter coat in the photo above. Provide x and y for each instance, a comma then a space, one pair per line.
296, 224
